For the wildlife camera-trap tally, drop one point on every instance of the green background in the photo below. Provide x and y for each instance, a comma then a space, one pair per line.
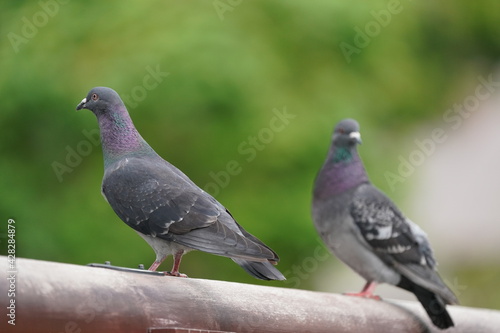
229, 65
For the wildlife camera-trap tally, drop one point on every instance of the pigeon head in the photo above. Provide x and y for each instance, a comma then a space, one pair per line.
119, 136
346, 133
100, 99
344, 141
342, 169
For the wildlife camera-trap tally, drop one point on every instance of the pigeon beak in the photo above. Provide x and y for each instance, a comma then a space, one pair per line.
356, 136
82, 104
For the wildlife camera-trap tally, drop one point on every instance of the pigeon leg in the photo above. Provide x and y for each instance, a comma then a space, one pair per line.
155, 265
367, 291
177, 262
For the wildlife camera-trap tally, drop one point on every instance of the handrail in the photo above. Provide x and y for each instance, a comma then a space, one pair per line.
58, 297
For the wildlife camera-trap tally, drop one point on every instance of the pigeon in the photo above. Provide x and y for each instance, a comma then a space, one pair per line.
366, 230
169, 211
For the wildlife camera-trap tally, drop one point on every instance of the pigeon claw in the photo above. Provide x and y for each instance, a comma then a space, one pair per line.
176, 274
367, 291
364, 295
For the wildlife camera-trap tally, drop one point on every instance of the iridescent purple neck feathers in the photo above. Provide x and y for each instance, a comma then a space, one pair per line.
343, 170
119, 136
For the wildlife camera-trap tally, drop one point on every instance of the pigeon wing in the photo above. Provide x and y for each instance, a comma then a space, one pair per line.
155, 198
384, 227
400, 243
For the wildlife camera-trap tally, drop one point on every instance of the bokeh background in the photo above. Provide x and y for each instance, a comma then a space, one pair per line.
222, 73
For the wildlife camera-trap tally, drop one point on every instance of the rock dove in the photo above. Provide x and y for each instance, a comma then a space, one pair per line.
161, 203
366, 230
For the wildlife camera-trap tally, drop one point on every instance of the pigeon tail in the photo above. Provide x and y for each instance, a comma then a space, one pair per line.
428, 279
260, 270
432, 303
220, 240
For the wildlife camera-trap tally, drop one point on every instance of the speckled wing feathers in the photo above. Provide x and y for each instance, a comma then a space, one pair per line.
155, 200
384, 227
399, 242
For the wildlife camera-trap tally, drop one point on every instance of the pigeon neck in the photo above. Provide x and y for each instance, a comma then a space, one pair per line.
119, 136
342, 171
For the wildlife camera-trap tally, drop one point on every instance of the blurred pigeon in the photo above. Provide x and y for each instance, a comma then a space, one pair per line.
161, 203
365, 230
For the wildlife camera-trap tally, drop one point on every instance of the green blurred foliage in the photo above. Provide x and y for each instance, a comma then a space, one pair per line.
227, 73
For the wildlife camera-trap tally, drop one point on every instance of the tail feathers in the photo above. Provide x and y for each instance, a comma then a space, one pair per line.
433, 304
260, 270
221, 240
435, 308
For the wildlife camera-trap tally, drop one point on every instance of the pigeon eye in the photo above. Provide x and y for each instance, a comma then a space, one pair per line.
95, 97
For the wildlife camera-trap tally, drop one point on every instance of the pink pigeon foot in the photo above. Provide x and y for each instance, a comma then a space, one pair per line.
367, 291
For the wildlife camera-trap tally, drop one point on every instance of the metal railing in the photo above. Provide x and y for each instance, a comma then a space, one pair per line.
56, 297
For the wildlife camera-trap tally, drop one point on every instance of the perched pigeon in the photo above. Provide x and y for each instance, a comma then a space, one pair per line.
365, 230
161, 203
